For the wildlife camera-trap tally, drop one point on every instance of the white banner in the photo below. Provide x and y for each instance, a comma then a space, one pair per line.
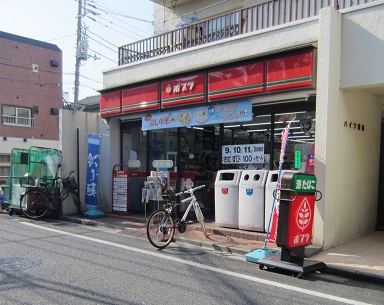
243, 154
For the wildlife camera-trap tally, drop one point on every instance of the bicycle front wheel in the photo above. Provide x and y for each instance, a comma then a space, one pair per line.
160, 229
200, 217
34, 204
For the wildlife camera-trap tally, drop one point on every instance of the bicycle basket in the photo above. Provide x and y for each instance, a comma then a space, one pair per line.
70, 183
27, 181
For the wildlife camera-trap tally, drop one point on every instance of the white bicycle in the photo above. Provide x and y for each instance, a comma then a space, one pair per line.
162, 223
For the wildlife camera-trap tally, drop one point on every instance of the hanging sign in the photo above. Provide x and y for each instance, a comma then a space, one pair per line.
204, 115
243, 154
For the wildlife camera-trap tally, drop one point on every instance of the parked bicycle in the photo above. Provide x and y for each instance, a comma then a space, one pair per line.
40, 201
162, 223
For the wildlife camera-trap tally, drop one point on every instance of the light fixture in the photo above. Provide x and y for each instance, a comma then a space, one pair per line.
5, 138
25, 139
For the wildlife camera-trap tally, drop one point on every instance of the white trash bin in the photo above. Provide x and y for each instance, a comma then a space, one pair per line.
251, 200
227, 198
270, 187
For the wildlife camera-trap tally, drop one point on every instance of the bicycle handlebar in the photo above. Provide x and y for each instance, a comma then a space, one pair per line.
191, 190
68, 175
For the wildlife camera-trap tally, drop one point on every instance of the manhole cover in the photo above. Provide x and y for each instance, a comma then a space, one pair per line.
18, 263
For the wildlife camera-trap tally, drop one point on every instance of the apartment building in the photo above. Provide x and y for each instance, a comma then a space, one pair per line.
30, 97
219, 76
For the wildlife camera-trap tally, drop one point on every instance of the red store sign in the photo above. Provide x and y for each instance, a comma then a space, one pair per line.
183, 90
141, 98
235, 82
110, 103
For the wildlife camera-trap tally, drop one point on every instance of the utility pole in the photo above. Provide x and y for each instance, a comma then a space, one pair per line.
79, 56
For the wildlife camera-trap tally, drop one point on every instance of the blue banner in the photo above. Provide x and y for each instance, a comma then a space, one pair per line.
203, 115
93, 161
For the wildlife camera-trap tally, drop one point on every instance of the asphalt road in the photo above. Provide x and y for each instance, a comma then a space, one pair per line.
58, 262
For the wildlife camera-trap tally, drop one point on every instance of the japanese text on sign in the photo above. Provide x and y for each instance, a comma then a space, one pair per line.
243, 154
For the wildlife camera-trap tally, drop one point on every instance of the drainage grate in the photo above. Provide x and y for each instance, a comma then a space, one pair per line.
15, 264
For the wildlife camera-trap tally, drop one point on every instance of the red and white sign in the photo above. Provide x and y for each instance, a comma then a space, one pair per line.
300, 221
120, 189
183, 90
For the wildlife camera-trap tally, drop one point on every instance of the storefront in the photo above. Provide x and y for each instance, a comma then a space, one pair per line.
227, 117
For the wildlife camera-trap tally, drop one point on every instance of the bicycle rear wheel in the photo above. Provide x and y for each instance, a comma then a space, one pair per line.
200, 217
34, 204
160, 229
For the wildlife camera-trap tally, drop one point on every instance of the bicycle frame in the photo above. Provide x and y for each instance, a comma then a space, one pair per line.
162, 223
193, 201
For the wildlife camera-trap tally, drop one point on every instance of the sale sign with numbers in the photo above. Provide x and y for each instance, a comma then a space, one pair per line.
243, 154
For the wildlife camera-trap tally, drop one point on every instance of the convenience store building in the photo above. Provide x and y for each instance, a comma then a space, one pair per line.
240, 93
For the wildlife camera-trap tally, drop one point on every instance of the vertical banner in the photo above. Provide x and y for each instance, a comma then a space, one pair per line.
93, 161
272, 228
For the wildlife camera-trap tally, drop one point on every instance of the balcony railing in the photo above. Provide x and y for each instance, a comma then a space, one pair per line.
236, 23
17, 121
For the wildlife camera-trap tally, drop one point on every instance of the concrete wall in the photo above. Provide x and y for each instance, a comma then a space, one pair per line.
165, 18
347, 159
360, 65
85, 123
7, 146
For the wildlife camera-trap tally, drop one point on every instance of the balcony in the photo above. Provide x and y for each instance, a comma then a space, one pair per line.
17, 121
239, 22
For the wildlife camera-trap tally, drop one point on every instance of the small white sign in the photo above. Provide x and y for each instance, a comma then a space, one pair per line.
243, 154
162, 163
134, 163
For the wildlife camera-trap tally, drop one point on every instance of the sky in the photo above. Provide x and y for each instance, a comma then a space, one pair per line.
108, 23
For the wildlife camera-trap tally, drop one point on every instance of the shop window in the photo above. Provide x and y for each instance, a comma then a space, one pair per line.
247, 145
163, 146
301, 140
134, 148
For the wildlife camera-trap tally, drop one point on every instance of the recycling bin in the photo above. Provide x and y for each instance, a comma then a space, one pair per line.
227, 198
270, 187
251, 200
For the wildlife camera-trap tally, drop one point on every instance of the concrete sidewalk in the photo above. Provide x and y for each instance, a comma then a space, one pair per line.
363, 257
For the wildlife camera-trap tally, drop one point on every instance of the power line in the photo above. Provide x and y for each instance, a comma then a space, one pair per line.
114, 61
28, 68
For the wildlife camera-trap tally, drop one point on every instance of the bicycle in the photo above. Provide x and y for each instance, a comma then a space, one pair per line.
162, 223
40, 201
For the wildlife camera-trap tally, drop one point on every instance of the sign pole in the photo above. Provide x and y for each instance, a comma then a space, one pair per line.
262, 253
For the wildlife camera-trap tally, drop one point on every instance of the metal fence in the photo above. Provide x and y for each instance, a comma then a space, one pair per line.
232, 24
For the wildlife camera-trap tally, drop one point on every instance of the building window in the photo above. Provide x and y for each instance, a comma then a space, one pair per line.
17, 116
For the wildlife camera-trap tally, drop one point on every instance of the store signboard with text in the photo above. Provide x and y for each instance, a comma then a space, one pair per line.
203, 115
243, 154
183, 90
